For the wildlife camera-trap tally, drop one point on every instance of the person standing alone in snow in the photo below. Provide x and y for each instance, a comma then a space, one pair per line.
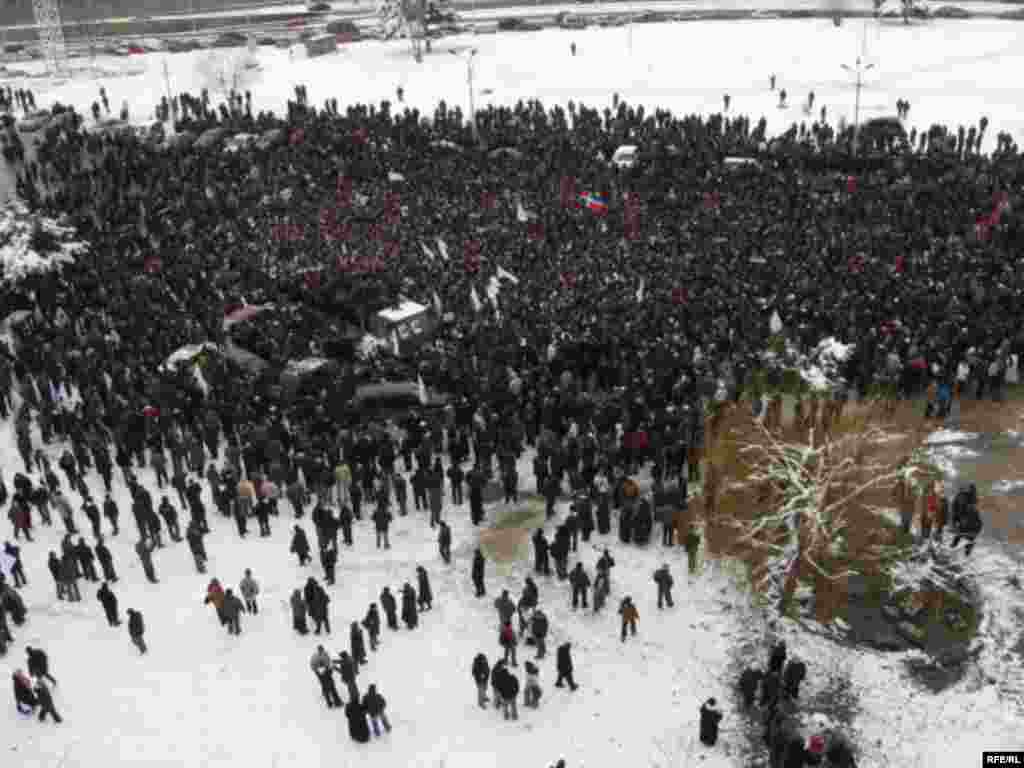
565, 668
663, 579
629, 616
709, 720
136, 629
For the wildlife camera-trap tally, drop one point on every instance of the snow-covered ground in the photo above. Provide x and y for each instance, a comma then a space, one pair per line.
950, 71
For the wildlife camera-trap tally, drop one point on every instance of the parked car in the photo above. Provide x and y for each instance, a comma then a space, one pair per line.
517, 25
951, 12
319, 7
230, 40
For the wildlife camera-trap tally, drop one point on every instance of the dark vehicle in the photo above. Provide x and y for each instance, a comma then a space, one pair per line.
229, 40
517, 25
319, 8
393, 400
343, 27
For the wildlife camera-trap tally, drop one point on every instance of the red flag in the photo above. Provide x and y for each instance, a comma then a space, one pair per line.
488, 200
343, 37
390, 252
851, 184
632, 227
152, 265
567, 280
343, 195
151, 411
680, 295
535, 230
374, 232
983, 227
900, 263
567, 192
856, 264
313, 279
712, 201
360, 135
471, 256
297, 136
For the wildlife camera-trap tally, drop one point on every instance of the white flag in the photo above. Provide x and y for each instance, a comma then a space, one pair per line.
493, 289
437, 304
429, 254
394, 341
474, 299
422, 390
640, 291
522, 214
775, 324
442, 248
506, 275
393, 176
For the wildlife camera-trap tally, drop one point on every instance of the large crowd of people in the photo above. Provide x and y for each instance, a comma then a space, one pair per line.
587, 311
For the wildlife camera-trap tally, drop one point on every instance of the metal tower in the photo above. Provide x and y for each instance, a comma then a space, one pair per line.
51, 35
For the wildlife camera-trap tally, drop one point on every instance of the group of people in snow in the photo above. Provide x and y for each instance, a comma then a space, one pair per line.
177, 240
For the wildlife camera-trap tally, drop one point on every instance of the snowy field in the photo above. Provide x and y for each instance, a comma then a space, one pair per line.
949, 71
202, 698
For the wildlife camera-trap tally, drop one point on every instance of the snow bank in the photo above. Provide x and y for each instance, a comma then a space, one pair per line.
944, 436
18, 255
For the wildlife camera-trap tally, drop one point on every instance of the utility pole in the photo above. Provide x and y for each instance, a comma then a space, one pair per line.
857, 69
469, 85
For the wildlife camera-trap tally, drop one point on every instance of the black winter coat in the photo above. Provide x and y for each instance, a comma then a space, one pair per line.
136, 628
358, 728
481, 670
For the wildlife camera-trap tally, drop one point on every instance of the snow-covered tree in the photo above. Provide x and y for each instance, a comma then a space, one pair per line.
813, 489
31, 243
227, 71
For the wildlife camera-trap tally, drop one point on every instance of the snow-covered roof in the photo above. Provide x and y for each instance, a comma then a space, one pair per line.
404, 311
18, 257
187, 353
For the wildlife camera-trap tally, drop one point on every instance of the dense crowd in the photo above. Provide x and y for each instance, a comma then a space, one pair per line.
587, 310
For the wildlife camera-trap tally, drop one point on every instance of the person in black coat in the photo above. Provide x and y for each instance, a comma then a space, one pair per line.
348, 669
390, 606
481, 676
39, 664
792, 677
425, 597
317, 601
374, 705
106, 558
329, 561
109, 601
565, 668
750, 679
710, 717
357, 644
478, 573
770, 687
372, 625
300, 546
508, 686
778, 658
580, 584
86, 559
444, 542
45, 699
409, 614
194, 537
358, 728
136, 629
541, 561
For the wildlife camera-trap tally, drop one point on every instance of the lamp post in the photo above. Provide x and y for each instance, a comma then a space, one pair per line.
469, 83
857, 69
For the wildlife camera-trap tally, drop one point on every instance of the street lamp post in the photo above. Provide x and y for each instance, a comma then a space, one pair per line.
469, 84
858, 69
